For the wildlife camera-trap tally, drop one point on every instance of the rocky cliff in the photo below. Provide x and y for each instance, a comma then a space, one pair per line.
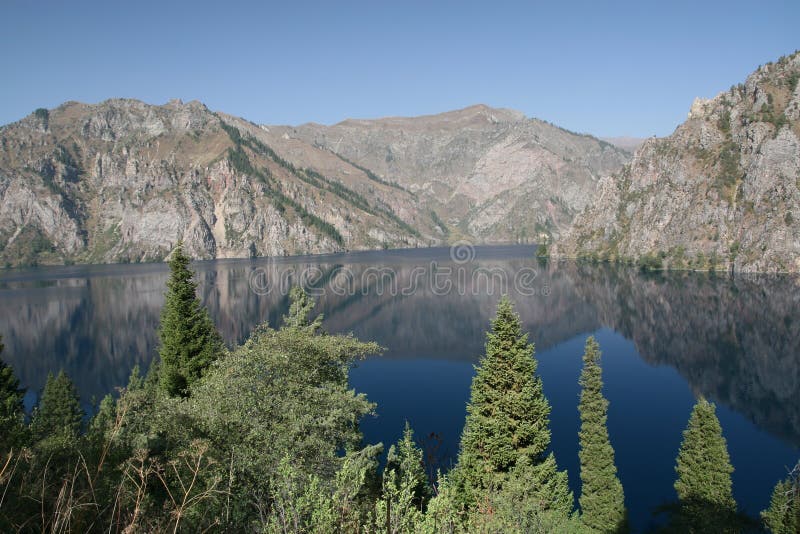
124, 181
485, 174
721, 192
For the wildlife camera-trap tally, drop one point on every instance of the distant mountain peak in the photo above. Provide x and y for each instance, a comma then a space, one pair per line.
476, 111
625, 142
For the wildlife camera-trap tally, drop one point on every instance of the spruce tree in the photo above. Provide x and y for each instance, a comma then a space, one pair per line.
11, 409
59, 414
783, 514
602, 500
405, 489
507, 426
406, 459
189, 339
10, 393
704, 475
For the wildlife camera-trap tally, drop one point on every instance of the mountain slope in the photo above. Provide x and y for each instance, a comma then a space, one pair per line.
488, 174
124, 181
723, 191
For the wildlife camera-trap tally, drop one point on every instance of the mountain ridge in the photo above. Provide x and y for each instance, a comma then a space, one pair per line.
497, 174
721, 192
123, 180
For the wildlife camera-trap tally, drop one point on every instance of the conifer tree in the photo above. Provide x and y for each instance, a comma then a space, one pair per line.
406, 459
59, 414
704, 475
602, 500
189, 339
405, 489
507, 424
783, 514
11, 409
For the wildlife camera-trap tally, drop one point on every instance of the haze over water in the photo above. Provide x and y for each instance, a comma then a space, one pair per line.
666, 338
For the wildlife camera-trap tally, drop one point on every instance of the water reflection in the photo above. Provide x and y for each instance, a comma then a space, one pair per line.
735, 340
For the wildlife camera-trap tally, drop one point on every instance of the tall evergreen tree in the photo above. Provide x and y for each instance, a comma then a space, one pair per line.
11, 409
59, 414
405, 491
783, 514
189, 339
704, 475
406, 459
602, 500
507, 432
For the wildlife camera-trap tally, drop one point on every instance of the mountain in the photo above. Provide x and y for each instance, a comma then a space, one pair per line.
483, 173
626, 143
123, 181
723, 191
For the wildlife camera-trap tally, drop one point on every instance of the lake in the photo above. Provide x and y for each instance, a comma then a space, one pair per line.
666, 339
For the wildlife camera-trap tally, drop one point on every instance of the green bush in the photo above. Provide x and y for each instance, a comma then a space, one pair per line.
650, 262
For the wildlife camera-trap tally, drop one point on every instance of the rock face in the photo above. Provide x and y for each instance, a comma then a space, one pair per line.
723, 191
124, 181
487, 174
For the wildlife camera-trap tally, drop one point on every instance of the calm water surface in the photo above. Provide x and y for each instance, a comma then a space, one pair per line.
666, 338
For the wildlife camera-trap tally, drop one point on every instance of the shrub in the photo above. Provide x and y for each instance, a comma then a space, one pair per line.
650, 262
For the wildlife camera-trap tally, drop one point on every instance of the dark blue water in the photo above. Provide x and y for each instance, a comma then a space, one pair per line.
665, 338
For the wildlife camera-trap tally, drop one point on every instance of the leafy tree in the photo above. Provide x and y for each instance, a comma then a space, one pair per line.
308, 503
783, 514
704, 475
283, 394
602, 500
11, 409
543, 250
507, 423
513, 508
300, 308
189, 339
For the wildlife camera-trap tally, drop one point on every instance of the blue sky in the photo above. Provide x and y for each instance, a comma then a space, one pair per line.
607, 68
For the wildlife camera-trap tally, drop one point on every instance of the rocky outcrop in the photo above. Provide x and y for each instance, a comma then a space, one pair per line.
721, 192
124, 181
